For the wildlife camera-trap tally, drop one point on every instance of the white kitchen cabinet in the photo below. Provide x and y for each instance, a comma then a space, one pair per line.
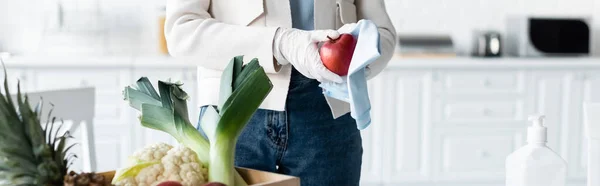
372, 139
472, 155
463, 116
586, 89
550, 96
406, 130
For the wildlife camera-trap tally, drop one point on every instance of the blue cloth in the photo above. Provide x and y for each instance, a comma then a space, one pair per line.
354, 90
305, 140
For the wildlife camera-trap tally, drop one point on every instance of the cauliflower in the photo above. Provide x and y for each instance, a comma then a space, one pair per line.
162, 162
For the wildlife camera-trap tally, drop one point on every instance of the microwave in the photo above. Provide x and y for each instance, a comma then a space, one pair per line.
547, 36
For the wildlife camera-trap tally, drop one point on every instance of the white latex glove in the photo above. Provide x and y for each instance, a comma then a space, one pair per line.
347, 28
300, 48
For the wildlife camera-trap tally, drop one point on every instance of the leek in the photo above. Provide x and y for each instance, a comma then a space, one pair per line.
167, 112
243, 89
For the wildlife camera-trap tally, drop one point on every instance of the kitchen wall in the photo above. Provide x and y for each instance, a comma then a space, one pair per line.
124, 27
80, 27
460, 17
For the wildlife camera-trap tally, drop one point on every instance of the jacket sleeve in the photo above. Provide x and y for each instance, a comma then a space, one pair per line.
375, 11
193, 34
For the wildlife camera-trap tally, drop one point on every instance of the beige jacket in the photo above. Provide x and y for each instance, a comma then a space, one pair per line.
210, 33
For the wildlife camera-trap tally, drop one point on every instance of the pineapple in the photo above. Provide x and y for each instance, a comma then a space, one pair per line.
29, 153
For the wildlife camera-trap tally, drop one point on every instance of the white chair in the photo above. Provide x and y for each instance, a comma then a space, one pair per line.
76, 105
591, 112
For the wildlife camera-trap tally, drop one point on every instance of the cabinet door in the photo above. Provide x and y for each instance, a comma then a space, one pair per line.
406, 122
550, 96
145, 136
371, 173
109, 84
112, 131
473, 155
586, 89
560, 96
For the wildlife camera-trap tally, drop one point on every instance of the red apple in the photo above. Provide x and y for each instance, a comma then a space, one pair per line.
214, 184
169, 183
336, 54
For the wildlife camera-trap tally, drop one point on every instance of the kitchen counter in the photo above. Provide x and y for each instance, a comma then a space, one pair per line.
396, 62
97, 61
504, 62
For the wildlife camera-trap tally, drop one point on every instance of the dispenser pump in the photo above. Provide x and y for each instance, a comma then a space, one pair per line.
537, 132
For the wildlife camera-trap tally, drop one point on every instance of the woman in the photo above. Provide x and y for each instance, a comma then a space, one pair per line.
297, 131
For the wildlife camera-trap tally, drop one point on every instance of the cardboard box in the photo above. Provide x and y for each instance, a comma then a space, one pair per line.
252, 177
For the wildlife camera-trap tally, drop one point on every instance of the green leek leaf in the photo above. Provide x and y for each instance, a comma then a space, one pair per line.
252, 88
136, 98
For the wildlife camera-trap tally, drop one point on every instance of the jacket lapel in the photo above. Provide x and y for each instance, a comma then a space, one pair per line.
278, 13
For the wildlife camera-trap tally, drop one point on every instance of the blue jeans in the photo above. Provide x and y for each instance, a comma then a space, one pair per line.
303, 141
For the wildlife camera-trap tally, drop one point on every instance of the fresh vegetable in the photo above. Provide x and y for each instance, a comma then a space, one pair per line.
336, 54
31, 152
161, 162
243, 88
167, 112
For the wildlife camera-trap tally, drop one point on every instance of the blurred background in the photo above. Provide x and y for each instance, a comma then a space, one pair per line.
452, 104
132, 27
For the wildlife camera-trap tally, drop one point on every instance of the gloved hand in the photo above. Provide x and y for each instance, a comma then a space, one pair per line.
347, 28
300, 48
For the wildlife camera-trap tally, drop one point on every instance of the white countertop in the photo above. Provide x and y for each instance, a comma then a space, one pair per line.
503, 62
97, 61
396, 62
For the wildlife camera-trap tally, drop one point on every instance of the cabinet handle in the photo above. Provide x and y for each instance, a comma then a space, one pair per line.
483, 154
487, 112
584, 77
435, 76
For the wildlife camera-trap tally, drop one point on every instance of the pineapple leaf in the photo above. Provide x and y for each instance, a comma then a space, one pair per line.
9, 100
59, 150
27, 153
16, 161
33, 129
54, 138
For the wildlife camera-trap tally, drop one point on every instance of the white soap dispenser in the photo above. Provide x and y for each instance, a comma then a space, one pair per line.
535, 164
